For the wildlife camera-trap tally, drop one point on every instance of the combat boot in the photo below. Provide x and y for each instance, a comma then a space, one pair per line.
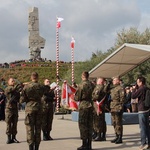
45, 138
98, 138
31, 147
119, 140
89, 144
8, 139
14, 140
115, 139
84, 145
36, 147
103, 136
49, 137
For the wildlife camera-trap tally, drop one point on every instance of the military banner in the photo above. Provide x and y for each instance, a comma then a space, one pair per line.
67, 97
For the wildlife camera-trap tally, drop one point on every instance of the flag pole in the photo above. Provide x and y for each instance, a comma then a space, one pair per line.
58, 25
72, 59
57, 68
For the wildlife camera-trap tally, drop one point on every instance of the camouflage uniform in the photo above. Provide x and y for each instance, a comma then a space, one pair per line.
47, 112
11, 112
116, 106
32, 94
99, 123
84, 95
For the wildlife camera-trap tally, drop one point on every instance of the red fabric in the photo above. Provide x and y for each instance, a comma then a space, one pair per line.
58, 24
72, 44
68, 96
99, 105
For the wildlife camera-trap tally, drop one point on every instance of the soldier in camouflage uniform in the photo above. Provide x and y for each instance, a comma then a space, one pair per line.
32, 94
84, 95
47, 110
99, 123
116, 106
12, 93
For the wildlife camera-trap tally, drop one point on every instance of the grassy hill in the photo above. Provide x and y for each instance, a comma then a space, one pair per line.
22, 71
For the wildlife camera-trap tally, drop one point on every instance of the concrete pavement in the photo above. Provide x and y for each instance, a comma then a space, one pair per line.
66, 136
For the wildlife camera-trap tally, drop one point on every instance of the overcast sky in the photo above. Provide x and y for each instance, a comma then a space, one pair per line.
93, 23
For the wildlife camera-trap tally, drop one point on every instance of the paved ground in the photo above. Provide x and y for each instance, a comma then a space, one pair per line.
66, 136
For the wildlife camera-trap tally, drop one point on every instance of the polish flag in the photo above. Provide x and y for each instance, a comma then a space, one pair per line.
99, 105
59, 22
67, 96
72, 42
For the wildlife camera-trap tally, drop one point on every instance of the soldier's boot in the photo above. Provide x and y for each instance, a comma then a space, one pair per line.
115, 139
119, 140
31, 147
45, 138
49, 137
104, 136
36, 147
14, 140
94, 135
98, 138
89, 144
8, 139
84, 145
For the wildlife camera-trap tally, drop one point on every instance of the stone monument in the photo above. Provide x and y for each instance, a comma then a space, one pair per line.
36, 42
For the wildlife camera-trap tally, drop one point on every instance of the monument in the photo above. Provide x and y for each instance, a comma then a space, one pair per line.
36, 42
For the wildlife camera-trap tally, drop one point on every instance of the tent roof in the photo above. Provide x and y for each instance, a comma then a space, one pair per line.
121, 61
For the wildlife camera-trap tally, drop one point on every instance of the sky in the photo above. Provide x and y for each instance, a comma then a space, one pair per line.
94, 24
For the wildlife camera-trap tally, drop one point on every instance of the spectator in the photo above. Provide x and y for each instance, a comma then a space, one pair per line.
2, 105
134, 102
139, 91
127, 102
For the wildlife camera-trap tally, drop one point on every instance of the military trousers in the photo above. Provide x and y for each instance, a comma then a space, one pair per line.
86, 122
117, 122
47, 118
11, 119
33, 124
99, 123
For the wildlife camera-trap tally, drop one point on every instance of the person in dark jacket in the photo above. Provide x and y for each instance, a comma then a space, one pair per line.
139, 92
2, 104
47, 110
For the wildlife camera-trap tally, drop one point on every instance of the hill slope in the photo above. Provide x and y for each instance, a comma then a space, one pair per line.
22, 72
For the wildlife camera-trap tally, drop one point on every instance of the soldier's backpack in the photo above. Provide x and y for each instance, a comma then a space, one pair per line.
147, 98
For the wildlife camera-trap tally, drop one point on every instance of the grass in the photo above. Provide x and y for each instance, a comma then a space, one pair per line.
45, 70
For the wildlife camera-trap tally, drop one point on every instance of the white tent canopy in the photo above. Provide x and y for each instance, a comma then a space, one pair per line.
121, 61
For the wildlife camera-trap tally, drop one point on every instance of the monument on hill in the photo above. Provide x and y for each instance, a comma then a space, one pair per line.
36, 42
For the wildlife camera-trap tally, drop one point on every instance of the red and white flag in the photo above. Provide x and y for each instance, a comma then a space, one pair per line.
72, 43
59, 22
67, 97
99, 105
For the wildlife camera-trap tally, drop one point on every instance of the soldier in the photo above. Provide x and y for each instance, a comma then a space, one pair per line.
12, 93
32, 94
99, 123
48, 110
84, 95
116, 106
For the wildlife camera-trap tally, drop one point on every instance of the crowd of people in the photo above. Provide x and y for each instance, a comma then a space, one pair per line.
95, 99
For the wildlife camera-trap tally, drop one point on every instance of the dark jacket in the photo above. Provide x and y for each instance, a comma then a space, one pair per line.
140, 94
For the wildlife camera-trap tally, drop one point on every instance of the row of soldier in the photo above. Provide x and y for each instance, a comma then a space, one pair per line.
39, 104
92, 108
92, 105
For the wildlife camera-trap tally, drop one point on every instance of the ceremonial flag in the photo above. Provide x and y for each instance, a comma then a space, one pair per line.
72, 42
59, 22
67, 97
99, 105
